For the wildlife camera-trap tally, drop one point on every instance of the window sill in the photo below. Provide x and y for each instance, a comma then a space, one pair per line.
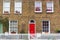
49, 12
45, 33
38, 11
6, 13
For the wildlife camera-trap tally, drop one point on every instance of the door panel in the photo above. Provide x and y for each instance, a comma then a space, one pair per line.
1, 28
31, 28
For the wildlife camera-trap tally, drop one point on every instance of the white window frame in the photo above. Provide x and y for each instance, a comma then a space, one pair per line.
49, 27
20, 8
38, 6
13, 29
8, 11
52, 6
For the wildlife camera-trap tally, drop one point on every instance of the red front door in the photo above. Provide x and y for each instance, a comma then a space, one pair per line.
32, 28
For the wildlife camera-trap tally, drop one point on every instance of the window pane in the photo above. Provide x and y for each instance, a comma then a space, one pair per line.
45, 26
18, 10
6, 7
49, 4
18, 7
6, 4
18, 4
49, 7
38, 6
6, 10
13, 26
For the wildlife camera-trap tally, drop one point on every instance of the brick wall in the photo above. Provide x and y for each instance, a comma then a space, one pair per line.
28, 14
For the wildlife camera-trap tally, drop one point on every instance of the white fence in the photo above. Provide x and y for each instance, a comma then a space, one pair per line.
29, 37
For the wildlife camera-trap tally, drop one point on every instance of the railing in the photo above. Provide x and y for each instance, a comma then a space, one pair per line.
29, 37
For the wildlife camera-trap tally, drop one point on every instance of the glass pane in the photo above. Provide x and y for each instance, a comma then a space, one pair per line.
45, 26
49, 4
18, 10
18, 4
13, 26
6, 9
49, 9
38, 4
6, 4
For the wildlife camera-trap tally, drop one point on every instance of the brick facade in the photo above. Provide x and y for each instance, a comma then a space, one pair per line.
28, 14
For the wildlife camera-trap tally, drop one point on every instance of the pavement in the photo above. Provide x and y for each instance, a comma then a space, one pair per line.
26, 37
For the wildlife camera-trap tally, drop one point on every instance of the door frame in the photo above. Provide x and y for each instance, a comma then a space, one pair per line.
29, 23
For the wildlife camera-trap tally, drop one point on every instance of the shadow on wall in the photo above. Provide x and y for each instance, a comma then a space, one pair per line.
5, 23
23, 28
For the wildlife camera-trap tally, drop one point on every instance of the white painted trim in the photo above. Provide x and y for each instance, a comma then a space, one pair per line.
9, 26
49, 27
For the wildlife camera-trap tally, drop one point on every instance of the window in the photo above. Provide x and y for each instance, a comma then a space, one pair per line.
46, 26
13, 26
50, 7
6, 7
38, 6
32, 21
18, 7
